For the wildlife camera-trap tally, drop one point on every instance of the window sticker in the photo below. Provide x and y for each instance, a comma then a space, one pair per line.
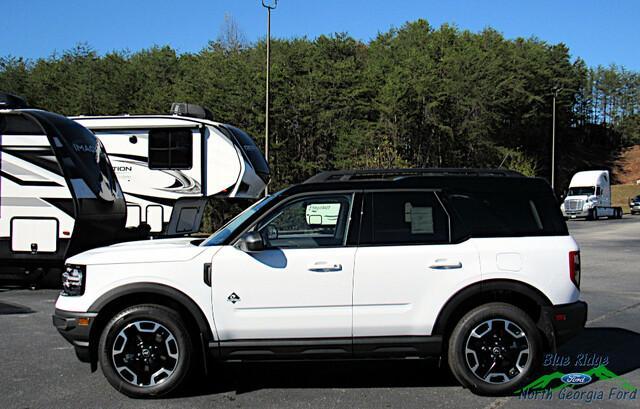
422, 220
324, 214
407, 212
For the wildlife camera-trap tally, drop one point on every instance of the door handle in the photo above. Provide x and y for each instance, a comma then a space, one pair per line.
444, 264
324, 267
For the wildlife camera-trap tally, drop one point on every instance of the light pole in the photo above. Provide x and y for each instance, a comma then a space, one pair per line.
556, 91
269, 5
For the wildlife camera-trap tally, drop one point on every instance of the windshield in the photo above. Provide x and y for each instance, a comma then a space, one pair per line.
581, 191
225, 231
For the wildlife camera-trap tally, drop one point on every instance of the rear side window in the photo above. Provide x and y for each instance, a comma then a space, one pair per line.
403, 218
490, 214
170, 149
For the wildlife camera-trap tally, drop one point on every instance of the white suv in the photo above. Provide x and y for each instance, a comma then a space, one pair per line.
475, 266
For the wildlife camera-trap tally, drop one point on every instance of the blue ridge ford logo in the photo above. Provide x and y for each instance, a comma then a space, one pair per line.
576, 378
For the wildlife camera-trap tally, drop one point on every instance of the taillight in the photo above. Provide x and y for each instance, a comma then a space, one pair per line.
574, 267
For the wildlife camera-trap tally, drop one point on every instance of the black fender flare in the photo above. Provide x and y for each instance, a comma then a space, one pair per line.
485, 287
160, 289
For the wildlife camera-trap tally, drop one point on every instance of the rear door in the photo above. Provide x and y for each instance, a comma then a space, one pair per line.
406, 266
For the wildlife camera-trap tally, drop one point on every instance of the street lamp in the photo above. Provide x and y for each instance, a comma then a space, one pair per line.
556, 91
269, 5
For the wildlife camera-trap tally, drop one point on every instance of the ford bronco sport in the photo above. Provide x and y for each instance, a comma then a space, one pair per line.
475, 266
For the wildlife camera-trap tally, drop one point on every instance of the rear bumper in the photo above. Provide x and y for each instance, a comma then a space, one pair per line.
564, 321
75, 327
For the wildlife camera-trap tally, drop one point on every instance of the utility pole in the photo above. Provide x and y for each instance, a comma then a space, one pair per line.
269, 6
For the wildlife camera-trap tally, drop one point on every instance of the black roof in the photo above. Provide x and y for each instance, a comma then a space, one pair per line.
472, 180
386, 174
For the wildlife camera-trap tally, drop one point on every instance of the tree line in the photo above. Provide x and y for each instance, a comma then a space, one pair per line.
415, 96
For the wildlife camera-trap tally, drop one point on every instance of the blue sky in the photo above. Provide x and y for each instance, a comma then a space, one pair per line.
599, 31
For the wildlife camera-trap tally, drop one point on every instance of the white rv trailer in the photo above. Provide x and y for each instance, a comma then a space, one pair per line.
589, 196
59, 195
169, 164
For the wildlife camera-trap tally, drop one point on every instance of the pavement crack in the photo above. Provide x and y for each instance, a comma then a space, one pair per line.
615, 312
498, 403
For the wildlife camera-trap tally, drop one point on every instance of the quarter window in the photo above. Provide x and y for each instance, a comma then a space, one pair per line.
404, 218
310, 222
170, 149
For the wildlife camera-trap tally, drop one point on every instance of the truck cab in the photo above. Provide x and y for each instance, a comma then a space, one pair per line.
589, 196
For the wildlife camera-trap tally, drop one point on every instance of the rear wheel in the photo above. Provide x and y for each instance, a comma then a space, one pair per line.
495, 349
145, 351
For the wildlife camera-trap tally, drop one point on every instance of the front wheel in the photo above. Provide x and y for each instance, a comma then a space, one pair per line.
495, 349
145, 351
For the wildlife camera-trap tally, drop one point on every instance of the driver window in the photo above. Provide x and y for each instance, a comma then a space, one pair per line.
310, 222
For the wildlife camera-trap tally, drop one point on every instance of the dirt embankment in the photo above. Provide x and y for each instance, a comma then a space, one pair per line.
626, 173
627, 168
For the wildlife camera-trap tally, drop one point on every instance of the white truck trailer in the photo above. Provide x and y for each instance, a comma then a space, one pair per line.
589, 196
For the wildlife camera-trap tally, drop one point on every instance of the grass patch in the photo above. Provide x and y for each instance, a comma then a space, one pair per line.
620, 195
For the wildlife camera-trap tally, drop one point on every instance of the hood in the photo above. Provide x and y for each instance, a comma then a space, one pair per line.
146, 251
580, 197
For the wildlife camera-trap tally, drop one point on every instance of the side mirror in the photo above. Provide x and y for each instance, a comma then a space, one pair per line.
251, 242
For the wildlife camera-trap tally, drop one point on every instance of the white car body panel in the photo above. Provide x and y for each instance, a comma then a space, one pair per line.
174, 263
397, 293
279, 296
394, 290
544, 263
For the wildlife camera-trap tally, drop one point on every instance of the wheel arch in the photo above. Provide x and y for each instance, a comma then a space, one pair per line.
514, 292
115, 300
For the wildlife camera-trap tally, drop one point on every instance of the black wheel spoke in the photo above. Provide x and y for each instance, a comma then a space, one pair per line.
145, 353
497, 351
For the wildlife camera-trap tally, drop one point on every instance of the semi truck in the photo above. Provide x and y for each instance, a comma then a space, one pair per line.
589, 196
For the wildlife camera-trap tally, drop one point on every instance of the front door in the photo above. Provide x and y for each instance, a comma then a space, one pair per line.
300, 286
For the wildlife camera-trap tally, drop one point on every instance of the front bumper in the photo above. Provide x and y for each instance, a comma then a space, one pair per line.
75, 327
575, 213
563, 322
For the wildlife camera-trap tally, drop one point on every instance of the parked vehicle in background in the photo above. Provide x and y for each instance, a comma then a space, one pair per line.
59, 195
168, 165
589, 196
634, 205
476, 266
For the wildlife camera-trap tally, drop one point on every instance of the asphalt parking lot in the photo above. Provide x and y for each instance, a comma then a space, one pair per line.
38, 369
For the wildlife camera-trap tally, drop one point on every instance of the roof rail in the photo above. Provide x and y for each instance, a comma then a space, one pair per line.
395, 174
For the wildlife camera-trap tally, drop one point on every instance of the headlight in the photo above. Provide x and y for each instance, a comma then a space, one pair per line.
73, 280
588, 205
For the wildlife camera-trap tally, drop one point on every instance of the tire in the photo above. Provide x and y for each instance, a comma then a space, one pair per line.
154, 366
590, 214
511, 333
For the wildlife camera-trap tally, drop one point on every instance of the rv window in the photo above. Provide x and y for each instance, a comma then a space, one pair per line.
170, 149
